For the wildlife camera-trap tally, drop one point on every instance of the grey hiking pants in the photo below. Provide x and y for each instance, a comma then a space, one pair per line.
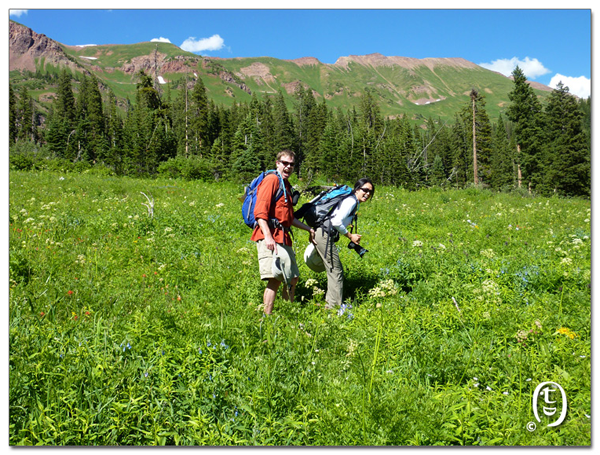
333, 266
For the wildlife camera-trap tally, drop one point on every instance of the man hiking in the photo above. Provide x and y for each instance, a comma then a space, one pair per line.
272, 232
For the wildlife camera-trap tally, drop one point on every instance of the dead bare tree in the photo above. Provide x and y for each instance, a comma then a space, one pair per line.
474, 95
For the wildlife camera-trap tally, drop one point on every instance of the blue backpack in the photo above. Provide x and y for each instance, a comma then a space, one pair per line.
320, 209
250, 197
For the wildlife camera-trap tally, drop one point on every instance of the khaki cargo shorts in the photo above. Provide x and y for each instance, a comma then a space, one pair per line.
265, 260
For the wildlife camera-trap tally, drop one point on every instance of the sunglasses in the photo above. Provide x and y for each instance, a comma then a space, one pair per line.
287, 163
366, 190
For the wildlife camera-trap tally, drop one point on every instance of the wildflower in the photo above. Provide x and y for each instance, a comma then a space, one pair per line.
417, 244
317, 291
567, 332
521, 336
311, 282
351, 348
442, 246
220, 204
566, 261
489, 253
70, 292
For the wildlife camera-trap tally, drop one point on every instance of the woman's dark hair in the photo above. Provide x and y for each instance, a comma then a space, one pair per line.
361, 182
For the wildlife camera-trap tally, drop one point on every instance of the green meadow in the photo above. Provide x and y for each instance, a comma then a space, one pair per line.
135, 319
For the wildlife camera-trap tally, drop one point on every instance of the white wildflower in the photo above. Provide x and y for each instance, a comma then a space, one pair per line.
311, 282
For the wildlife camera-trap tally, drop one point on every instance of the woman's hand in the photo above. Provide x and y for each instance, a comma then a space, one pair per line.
354, 237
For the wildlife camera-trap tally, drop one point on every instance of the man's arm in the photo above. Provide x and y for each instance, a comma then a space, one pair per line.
269, 240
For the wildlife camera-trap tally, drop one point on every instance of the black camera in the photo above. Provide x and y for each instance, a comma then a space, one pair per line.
359, 249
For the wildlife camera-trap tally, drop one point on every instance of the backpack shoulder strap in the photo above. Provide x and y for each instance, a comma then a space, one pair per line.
281, 191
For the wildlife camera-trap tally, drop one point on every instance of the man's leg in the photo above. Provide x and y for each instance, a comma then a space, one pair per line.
289, 294
270, 294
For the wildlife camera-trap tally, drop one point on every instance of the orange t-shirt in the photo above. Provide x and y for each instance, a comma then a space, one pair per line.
283, 211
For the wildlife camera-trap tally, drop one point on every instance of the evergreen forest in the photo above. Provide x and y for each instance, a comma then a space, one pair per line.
533, 147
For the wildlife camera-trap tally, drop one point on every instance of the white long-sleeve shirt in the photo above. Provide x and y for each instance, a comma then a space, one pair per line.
343, 215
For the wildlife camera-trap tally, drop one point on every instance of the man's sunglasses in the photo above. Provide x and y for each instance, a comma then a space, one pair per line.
287, 163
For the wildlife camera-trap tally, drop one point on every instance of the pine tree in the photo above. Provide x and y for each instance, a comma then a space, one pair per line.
567, 157
329, 151
525, 111
245, 162
198, 119
437, 175
372, 132
64, 105
114, 134
502, 161
462, 156
283, 135
305, 103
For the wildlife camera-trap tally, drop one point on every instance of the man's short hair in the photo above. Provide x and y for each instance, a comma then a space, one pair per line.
286, 153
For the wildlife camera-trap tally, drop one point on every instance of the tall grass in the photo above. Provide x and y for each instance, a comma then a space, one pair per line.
127, 329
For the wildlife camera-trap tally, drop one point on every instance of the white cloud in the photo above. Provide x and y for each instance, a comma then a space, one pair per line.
17, 12
214, 43
531, 67
160, 40
579, 86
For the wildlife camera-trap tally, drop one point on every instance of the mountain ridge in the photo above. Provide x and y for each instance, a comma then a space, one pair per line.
419, 88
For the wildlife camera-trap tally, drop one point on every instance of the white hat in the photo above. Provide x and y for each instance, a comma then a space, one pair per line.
313, 259
282, 265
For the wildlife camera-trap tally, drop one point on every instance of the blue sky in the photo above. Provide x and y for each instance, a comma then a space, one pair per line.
549, 45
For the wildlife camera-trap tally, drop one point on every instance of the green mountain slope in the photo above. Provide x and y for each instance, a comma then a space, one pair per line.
435, 87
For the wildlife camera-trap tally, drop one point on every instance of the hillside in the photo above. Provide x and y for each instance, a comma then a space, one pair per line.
420, 88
